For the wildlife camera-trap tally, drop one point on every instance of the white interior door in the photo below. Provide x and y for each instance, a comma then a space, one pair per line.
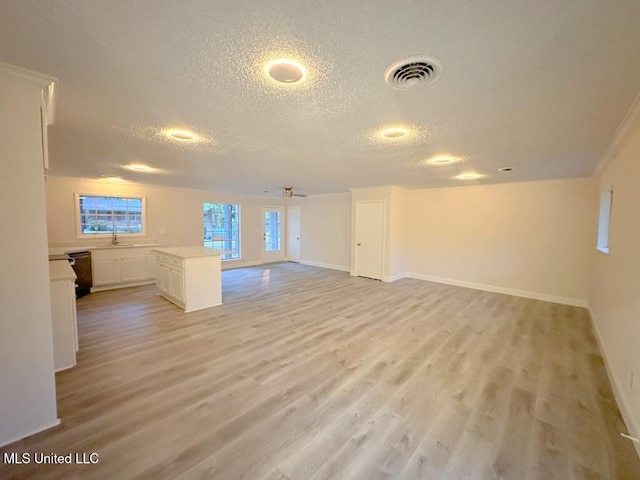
272, 238
369, 239
293, 234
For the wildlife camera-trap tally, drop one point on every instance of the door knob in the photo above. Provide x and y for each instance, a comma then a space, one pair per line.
358, 244
297, 238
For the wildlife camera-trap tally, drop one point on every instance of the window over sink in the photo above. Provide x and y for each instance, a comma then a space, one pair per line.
105, 216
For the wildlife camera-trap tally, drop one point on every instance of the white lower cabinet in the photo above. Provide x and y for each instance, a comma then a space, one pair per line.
133, 269
189, 277
122, 266
177, 284
163, 278
105, 271
63, 314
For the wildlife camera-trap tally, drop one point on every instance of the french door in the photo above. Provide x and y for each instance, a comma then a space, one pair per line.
273, 248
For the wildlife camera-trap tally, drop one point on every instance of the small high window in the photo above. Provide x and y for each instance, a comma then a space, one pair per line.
103, 216
604, 219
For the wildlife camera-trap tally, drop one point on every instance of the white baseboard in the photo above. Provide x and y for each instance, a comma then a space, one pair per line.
393, 278
231, 264
576, 302
115, 286
633, 426
28, 434
324, 265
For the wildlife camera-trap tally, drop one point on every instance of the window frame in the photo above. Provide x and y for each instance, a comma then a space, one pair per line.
605, 209
80, 234
238, 208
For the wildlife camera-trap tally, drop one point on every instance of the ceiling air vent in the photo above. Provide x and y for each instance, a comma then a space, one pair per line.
411, 72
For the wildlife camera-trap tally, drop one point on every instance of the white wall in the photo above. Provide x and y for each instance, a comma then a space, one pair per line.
176, 210
615, 288
531, 239
399, 260
27, 382
325, 228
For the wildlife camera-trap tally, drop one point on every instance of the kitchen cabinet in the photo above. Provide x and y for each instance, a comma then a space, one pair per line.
106, 271
118, 266
63, 314
189, 277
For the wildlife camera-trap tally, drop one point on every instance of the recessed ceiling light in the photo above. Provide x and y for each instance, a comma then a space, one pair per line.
394, 133
139, 167
284, 70
469, 176
442, 160
505, 169
183, 135
112, 178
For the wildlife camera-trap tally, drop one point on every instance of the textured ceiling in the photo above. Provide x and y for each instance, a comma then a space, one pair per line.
539, 86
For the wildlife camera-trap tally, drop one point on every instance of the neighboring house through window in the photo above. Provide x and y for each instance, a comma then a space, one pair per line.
104, 216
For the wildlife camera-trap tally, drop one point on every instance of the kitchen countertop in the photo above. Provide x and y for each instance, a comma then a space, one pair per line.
61, 270
85, 248
189, 252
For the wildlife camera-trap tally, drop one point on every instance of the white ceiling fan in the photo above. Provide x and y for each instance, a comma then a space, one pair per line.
287, 192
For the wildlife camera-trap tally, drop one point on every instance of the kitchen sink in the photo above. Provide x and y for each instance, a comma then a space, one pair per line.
120, 245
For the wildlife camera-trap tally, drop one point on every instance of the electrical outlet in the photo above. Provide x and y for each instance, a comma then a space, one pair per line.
632, 381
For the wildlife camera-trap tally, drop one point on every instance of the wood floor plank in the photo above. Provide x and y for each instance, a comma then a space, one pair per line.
305, 373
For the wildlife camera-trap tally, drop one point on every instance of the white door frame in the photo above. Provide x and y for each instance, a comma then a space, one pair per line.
290, 233
273, 255
384, 225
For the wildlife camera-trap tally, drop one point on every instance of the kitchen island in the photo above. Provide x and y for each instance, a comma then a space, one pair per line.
189, 277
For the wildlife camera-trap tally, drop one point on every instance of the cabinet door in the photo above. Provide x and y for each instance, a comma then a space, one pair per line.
134, 269
163, 278
106, 271
177, 284
149, 269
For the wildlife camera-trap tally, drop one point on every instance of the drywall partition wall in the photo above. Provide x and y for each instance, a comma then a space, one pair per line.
531, 239
325, 230
174, 215
614, 296
27, 381
398, 260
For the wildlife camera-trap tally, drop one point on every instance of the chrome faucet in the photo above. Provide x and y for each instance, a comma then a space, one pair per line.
114, 237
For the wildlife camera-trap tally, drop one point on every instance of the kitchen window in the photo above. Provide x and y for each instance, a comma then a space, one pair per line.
104, 216
222, 228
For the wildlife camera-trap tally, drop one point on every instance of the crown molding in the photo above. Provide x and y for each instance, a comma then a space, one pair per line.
48, 85
628, 125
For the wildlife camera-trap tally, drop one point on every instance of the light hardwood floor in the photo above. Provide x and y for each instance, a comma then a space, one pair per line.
307, 373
